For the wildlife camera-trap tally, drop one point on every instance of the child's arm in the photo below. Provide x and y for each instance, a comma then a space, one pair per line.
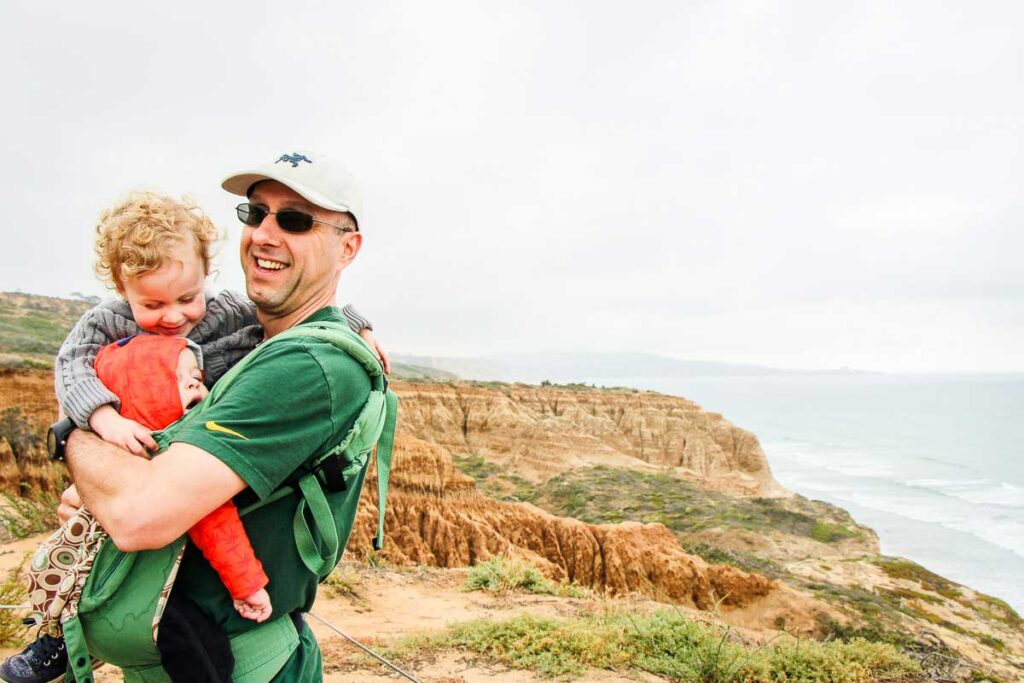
222, 539
81, 394
362, 326
227, 332
79, 390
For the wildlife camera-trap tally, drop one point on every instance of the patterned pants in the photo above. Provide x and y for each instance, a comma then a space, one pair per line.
60, 568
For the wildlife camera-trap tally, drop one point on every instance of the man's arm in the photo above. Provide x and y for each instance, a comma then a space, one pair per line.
144, 503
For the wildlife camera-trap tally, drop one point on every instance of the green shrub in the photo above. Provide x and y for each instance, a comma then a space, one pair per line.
503, 575
30, 514
12, 592
911, 571
824, 532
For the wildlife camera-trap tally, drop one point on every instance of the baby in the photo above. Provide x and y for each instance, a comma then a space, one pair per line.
156, 251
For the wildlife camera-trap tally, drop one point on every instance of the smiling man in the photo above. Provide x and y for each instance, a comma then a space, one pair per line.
297, 398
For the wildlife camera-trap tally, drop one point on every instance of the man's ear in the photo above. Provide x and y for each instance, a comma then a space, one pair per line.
352, 242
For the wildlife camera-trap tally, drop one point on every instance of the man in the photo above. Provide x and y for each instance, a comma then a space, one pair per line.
296, 399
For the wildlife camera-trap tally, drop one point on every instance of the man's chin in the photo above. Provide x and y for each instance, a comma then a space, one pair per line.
267, 301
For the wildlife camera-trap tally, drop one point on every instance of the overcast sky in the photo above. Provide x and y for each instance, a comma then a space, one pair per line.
814, 185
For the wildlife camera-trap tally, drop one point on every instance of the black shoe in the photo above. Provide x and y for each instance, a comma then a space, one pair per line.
44, 660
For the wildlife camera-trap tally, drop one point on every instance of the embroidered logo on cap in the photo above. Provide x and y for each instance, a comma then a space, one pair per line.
293, 159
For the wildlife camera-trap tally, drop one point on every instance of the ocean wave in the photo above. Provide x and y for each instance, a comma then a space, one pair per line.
844, 461
980, 491
1005, 531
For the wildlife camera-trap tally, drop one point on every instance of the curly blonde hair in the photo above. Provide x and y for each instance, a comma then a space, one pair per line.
136, 235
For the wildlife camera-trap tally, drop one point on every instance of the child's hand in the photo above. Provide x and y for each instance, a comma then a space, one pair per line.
367, 334
121, 431
256, 606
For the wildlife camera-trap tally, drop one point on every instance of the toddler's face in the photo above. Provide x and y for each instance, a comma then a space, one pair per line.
169, 300
190, 380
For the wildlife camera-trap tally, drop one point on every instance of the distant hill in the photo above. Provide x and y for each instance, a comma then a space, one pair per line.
410, 372
32, 327
566, 367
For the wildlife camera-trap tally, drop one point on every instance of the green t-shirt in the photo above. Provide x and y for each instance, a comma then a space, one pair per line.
297, 399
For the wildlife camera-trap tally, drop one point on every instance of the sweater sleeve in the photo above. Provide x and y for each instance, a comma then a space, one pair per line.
222, 539
227, 332
79, 391
355, 320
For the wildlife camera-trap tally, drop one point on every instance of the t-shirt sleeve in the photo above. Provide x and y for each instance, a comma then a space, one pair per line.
294, 401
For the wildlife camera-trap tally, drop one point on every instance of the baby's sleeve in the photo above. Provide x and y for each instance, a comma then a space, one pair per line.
223, 541
79, 390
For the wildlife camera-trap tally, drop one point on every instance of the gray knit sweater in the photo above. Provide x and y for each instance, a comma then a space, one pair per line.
227, 332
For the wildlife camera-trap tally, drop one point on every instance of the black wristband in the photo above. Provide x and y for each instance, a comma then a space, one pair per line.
57, 438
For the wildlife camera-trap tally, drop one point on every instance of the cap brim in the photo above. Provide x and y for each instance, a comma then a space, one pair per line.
239, 183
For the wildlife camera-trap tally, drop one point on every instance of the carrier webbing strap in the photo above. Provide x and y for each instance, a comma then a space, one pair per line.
320, 561
384, 451
79, 662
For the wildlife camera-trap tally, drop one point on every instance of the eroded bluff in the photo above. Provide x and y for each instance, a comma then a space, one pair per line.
436, 517
541, 431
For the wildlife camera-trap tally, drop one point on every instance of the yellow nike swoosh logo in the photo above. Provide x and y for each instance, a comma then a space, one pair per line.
214, 427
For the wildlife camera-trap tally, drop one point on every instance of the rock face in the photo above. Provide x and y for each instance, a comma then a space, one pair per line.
543, 431
436, 517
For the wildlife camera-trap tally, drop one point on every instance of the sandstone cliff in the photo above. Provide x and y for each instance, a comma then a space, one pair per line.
436, 517
542, 431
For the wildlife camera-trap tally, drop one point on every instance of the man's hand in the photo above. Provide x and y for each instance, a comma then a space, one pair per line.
256, 606
367, 334
120, 431
70, 502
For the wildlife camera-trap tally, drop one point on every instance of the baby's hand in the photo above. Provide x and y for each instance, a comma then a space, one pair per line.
121, 431
256, 606
367, 334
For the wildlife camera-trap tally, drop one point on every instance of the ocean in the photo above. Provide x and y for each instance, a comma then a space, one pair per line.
934, 464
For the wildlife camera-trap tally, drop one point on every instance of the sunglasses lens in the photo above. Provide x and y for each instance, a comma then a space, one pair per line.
250, 214
294, 221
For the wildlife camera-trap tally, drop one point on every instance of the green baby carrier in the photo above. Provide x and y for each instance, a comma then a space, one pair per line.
125, 593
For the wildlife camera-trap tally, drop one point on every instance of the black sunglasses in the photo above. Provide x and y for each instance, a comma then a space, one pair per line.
290, 220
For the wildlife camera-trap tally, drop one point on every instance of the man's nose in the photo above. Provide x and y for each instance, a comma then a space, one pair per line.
268, 231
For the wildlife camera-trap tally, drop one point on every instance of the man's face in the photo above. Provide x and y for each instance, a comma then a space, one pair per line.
285, 271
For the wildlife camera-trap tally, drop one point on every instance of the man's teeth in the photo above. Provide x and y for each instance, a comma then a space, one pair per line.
270, 265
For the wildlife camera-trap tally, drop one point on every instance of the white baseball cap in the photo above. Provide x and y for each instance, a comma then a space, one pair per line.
319, 179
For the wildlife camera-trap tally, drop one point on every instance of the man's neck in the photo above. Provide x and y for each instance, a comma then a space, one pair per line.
276, 324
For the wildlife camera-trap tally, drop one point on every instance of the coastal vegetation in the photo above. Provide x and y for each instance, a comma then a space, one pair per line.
12, 592
503, 575
604, 495
664, 643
